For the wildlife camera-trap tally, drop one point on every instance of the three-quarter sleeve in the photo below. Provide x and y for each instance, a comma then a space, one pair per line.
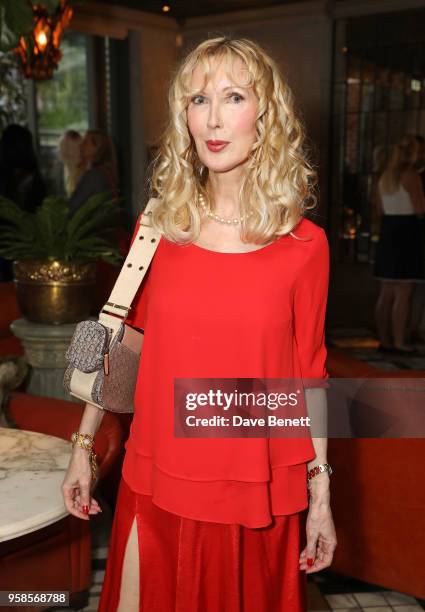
310, 301
137, 315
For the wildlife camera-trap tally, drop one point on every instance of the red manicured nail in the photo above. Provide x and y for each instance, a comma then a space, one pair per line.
85, 509
310, 562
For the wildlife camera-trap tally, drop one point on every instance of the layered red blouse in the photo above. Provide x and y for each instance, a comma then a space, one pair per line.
208, 314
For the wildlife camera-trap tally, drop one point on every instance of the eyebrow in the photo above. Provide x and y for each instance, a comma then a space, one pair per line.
227, 88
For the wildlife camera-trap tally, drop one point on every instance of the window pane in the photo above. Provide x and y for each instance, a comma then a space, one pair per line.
62, 104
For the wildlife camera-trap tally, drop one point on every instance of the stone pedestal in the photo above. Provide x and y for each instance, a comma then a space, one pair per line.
45, 347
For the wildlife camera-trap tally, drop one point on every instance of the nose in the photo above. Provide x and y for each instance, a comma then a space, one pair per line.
214, 115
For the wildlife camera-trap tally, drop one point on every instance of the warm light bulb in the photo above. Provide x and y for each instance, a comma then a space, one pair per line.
42, 39
165, 8
41, 58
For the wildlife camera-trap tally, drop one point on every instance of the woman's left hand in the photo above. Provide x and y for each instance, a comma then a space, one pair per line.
321, 536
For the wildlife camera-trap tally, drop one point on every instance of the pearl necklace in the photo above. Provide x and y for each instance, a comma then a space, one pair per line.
212, 215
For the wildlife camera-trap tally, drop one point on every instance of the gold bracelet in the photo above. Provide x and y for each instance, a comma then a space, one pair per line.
86, 441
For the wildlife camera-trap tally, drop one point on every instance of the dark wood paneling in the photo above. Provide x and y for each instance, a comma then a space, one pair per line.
181, 9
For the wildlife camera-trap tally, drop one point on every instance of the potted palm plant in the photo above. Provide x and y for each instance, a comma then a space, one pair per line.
54, 254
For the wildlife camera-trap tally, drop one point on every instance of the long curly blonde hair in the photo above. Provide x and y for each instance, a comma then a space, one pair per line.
279, 182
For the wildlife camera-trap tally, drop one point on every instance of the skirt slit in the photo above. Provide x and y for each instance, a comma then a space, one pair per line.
197, 566
120, 533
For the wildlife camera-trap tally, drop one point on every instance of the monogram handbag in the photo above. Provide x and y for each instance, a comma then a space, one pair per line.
103, 355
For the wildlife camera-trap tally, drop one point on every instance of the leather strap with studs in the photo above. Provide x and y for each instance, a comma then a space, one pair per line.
133, 270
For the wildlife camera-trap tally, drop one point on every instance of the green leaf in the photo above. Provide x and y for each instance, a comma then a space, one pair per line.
9, 210
16, 219
45, 234
85, 211
101, 218
108, 214
44, 223
111, 258
55, 202
57, 210
8, 239
94, 242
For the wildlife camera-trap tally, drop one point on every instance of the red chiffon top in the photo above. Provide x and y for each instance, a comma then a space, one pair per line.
208, 314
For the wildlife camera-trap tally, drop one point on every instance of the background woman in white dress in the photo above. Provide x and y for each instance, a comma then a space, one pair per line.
399, 260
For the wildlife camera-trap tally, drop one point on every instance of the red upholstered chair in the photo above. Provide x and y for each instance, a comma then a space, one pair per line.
9, 311
377, 497
341, 365
59, 556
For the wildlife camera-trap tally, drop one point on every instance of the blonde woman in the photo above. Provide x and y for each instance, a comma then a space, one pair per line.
100, 174
70, 156
237, 289
399, 262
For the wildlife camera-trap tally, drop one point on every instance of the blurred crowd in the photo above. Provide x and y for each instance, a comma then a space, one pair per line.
89, 167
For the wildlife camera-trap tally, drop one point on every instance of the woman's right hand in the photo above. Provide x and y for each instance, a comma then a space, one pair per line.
77, 484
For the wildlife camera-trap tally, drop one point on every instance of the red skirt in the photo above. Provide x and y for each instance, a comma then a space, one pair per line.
196, 566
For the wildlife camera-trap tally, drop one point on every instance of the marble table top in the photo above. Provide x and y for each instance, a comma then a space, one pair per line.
32, 468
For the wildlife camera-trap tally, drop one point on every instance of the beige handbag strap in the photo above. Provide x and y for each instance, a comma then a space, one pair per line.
133, 270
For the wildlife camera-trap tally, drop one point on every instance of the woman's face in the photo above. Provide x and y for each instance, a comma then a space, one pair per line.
222, 118
88, 148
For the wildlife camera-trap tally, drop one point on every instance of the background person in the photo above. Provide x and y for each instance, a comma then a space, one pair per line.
20, 177
417, 307
100, 169
100, 176
400, 260
70, 156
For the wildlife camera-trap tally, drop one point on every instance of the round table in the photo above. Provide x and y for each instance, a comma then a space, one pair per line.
32, 468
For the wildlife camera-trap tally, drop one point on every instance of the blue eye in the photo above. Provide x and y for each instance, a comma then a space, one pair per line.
236, 95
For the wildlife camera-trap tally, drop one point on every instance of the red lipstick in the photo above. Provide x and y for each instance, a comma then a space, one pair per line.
216, 145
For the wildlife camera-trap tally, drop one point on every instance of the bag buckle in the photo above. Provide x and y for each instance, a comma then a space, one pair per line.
125, 308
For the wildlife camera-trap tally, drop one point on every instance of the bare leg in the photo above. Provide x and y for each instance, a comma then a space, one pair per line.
383, 313
130, 580
416, 309
400, 313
